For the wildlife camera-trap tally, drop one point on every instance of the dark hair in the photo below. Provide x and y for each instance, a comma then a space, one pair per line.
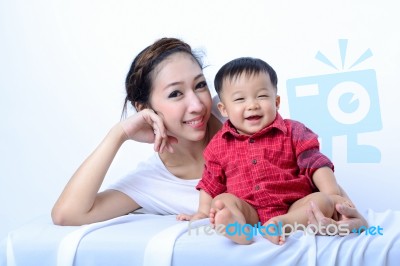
139, 80
243, 65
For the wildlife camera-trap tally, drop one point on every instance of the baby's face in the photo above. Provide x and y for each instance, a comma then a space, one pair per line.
250, 102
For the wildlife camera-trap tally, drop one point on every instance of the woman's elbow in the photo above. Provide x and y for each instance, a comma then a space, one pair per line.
61, 216
58, 216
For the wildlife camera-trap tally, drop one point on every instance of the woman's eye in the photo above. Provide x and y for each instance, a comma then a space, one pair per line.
201, 85
174, 94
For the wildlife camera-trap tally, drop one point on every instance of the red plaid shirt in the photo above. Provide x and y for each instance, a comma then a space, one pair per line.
270, 169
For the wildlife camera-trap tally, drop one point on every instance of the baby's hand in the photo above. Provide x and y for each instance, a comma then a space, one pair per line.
184, 217
199, 216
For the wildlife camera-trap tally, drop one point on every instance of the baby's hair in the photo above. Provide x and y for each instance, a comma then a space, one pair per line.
243, 65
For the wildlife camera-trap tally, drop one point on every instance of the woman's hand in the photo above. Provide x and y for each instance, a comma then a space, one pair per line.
348, 216
146, 126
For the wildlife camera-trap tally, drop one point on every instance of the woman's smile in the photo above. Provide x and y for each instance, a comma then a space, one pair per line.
197, 122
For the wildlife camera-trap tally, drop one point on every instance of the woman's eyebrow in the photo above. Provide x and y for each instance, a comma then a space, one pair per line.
201, 75
173, 84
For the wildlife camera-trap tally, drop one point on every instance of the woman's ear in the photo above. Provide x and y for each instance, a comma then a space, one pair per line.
139, 106
222, 109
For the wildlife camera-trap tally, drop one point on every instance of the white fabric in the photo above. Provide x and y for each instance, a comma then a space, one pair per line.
10, 253
365, 249
163, 243
161, 240
156, 190
68, 246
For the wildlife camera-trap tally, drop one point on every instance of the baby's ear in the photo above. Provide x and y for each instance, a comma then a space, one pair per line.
222, 109
278, 101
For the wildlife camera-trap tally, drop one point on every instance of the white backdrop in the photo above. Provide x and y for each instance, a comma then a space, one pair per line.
63, 65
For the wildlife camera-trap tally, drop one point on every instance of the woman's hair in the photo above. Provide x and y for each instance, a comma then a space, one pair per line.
243, 65
139, 80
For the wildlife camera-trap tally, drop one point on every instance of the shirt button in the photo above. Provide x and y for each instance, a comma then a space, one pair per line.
251, 140
254, 161
257, 187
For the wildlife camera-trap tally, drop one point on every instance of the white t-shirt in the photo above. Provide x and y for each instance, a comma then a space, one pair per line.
158, 191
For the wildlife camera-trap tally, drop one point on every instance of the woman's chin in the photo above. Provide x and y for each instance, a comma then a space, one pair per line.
197, 136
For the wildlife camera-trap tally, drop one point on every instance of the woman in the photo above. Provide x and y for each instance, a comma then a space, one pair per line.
167, 87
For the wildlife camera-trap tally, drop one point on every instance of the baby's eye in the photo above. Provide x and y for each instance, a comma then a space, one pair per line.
263, 96
238, 99
174, 94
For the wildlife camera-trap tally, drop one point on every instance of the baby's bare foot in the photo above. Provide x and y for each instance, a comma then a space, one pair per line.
212, 217
272, 232
223, 216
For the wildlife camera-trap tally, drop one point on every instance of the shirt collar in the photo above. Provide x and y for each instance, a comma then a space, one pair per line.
278, 123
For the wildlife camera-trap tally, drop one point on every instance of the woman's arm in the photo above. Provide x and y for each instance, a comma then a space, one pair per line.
80, 203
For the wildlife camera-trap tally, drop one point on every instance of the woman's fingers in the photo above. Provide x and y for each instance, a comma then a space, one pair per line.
166, 144
170, 141
162, 140
158, 128
311, 217
317, 218
317, 214
157, 138
351, 217
347, 211
148, 126
161, 134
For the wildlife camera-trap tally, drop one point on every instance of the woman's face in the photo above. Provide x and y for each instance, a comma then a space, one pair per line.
180, 95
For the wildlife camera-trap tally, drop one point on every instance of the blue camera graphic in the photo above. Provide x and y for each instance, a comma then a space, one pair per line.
344, 103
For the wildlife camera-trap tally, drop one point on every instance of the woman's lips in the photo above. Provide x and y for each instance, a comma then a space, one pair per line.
195, 123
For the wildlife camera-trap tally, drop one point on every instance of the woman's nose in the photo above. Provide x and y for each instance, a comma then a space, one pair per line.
195, 104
